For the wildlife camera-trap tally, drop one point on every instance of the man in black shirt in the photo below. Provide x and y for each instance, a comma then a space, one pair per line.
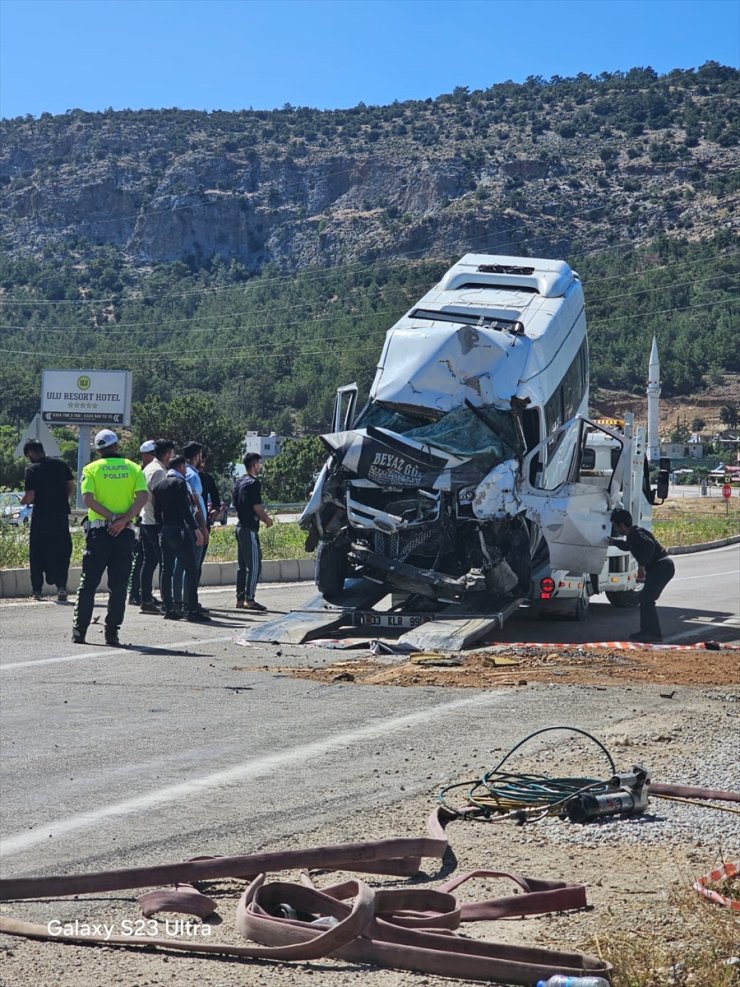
212, 497
48, 484
655, 570
212, 500
247, 499
178, 537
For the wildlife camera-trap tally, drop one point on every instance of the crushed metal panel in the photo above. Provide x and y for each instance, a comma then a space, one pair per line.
291, 628
315, 617
496, 496
574, 517
389, 459
440, 368
437, 366
449, 635
575, 524
317, 495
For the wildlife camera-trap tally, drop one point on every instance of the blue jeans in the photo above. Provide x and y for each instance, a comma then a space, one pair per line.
179, 577
179, 548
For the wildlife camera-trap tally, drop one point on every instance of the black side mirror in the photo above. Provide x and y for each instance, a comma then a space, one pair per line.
664, 476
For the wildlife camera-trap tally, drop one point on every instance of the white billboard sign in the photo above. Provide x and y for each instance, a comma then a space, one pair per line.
86, 397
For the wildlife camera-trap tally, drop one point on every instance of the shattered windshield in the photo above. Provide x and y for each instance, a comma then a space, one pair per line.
461, 432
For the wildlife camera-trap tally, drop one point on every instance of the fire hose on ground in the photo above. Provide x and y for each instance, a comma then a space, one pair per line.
407, 928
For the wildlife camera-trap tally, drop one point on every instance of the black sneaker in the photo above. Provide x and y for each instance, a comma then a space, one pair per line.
134, 601
62, 594
149, 606
198, 617
78, 635
254, 605
38, 596
112, 639
172, 615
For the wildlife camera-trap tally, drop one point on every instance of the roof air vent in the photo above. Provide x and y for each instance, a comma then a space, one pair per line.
504, 269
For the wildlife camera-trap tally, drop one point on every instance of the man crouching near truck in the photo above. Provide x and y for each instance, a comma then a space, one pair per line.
655, 570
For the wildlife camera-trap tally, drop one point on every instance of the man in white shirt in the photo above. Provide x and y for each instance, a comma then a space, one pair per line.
163, 450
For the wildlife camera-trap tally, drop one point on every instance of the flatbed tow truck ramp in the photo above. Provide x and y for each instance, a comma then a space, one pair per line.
446, 628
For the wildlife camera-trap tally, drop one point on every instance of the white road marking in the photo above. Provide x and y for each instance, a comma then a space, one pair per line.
13, 666
707, 575
711, 620
706, 626
269, 764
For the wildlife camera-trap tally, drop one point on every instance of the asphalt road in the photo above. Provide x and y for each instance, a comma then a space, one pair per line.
184, 743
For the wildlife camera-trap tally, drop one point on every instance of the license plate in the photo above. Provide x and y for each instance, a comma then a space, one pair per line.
402, 620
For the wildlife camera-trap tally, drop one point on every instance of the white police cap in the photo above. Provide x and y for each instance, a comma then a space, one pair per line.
105, 438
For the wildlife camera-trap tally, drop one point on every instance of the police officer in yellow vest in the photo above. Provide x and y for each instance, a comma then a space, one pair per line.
114, 490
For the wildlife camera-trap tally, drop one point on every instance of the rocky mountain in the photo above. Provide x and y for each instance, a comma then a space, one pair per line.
552, 167
257, 259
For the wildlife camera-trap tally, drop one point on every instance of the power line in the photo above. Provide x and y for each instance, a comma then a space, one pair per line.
123, 328
254, 352
664, 311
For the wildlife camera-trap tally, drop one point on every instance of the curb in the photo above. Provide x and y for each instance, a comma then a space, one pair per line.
17, 582
705, 547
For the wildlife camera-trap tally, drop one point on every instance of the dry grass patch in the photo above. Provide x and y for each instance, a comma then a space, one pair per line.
698, 951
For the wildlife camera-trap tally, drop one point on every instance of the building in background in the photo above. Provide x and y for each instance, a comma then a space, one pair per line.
731, 440
267, 446
691, 449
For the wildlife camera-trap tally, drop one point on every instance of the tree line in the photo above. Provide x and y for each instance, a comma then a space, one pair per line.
217, 353
272, 349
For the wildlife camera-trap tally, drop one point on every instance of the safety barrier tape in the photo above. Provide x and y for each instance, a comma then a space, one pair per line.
722, 873
616, 646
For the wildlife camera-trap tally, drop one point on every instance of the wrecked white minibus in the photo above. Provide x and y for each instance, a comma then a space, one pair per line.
462, 473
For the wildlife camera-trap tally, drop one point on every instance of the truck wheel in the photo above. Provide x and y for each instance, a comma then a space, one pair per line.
624, 601
331, 568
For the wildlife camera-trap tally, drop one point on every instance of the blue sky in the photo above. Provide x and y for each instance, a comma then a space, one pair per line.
57, 55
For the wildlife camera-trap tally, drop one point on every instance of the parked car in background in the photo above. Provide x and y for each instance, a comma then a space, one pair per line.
11, 509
